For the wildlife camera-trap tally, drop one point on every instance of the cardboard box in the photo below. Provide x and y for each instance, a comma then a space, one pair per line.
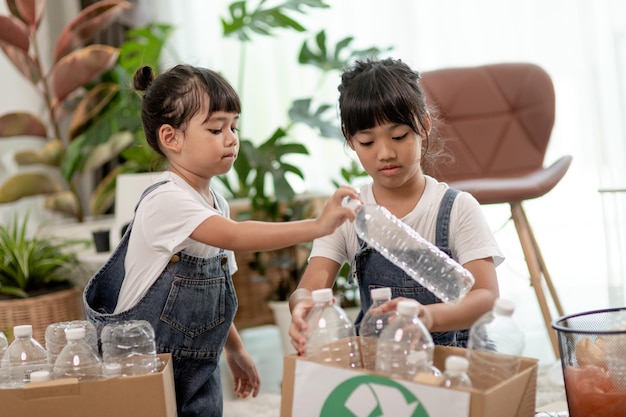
312, 389
150, 395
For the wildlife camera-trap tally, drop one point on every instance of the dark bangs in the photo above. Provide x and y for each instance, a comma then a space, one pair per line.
222, 95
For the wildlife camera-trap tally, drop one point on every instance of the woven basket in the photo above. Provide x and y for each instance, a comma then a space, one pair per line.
40, 311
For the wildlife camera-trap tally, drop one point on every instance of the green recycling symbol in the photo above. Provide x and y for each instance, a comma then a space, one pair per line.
372, 396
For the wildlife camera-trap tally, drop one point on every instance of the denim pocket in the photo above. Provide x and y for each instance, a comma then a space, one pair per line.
195, 306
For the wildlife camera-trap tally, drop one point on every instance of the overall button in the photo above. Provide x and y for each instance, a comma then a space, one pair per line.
174, 259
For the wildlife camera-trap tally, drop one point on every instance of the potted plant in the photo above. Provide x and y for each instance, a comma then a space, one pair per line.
37, 278
75, 65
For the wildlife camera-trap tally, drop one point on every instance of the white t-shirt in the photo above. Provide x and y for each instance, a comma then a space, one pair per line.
163, 223
470, 237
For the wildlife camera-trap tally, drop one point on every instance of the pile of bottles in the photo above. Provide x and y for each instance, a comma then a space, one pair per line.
71, 351
398, 345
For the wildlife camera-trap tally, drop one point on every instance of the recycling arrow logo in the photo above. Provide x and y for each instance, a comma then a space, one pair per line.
372, 396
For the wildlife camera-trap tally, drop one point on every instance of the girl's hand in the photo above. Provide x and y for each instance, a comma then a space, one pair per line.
298, 326
334, 214
246, 379
424, 314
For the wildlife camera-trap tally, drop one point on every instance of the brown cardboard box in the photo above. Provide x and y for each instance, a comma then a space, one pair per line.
150, 395
324, 390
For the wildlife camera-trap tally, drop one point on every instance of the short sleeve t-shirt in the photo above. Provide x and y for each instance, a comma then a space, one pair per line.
470, 237
163, 222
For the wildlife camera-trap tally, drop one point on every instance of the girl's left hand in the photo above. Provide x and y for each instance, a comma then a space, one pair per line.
424, 314
246, 379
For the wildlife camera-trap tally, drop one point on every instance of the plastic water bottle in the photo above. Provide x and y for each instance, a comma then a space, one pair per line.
23, 356
372, 325
495, 346
40, 376
404, 247
4, 344
77, 359
455, 373
4, 375
405, 335
419, 360
131, 345
331, 337
56, 341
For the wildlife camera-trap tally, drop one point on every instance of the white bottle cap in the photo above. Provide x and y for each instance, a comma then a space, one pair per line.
323, 295
457, 364
408, 307
417, 357
23, 330
381, 293
112, 369
504, 307
75, 333
40, 376
352, 204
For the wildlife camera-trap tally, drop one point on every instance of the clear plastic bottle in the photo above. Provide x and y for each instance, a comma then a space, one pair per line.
419, 360
23, 356
40, 376
495, 346
331, 337
404, 247
56, 341
4, 376
4, 344
405, 335
77, 359
372, 325
130, 344
455, 373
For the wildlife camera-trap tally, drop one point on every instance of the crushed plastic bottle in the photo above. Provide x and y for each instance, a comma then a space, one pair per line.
56, 341
131, 344
404, 247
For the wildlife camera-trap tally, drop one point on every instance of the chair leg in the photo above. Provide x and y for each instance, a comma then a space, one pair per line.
537, 269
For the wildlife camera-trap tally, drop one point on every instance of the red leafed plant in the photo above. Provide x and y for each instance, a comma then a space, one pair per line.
66, 94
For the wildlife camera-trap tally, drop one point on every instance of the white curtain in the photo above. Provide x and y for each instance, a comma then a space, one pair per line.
582, 45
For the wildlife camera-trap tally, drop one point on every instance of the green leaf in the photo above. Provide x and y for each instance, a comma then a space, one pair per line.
28, 184
301, 112
264, 21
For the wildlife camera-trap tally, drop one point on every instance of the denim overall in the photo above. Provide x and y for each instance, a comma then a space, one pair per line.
373, 270
191, 307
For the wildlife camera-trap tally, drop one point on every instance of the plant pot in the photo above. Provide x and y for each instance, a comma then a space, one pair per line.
101, 240
41, 310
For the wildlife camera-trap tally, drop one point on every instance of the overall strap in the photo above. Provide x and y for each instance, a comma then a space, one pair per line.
442, 229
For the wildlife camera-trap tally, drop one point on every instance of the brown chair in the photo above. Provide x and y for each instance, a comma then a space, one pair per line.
497, 121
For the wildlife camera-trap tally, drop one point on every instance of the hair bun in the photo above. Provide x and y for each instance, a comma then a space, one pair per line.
143, 78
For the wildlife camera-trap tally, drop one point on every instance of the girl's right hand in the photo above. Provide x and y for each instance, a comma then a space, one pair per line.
298, 326
334, 213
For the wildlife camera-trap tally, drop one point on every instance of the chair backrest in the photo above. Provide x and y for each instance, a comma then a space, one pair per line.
496, 119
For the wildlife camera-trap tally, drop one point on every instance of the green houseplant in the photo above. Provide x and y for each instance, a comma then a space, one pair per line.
262, 173
74, 66
37, 278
